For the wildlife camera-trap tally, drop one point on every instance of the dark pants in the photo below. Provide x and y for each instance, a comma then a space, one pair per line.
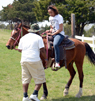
57, 41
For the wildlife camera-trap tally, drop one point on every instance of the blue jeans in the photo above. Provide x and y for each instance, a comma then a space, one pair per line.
58, 38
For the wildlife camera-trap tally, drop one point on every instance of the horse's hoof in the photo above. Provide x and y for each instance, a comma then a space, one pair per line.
43, 98
65, 92
79, 95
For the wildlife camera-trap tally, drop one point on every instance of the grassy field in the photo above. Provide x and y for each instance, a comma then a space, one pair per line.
10, 78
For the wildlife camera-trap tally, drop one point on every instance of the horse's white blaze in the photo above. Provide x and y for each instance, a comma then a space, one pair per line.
79, 93
12, 32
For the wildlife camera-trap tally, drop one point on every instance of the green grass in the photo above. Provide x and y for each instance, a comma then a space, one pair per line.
10, 78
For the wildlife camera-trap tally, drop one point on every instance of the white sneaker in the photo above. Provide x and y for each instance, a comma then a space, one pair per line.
26, 99
34, 98
57, 65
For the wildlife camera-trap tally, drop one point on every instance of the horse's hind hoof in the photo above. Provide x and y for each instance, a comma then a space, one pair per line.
78, 95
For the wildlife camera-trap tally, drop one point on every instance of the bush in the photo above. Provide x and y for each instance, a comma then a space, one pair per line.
67, 29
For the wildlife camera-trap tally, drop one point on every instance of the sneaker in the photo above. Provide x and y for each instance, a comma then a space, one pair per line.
34, 98
57, 65
26, 99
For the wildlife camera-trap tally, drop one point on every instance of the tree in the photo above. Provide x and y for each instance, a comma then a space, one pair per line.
67, 29
90, 32
23, 9
46, 27
83, 9
2, 26
20, 9
6, 14
8, 26
0, 15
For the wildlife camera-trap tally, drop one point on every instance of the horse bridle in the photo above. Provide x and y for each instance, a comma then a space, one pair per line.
16, 40
13, 39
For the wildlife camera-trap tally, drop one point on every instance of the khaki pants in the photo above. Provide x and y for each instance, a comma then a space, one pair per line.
33, 70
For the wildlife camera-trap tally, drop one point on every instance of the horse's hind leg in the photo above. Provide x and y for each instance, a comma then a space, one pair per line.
81, 75
72, 74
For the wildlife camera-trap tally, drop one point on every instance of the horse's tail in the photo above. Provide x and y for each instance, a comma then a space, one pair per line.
90, 53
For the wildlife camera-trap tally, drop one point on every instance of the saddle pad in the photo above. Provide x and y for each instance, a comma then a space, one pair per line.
62, 51
71, 47
67, 44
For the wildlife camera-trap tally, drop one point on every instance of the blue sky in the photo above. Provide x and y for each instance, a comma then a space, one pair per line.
5, 3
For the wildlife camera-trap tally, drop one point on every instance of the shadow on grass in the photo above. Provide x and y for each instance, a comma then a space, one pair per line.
83, 98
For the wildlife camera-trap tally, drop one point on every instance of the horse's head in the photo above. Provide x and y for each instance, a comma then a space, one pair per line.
18, 31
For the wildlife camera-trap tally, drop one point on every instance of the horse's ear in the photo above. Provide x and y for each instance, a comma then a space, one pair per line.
20, 25
44, 37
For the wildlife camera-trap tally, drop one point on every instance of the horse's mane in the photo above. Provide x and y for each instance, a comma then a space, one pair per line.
26, 26
16, 26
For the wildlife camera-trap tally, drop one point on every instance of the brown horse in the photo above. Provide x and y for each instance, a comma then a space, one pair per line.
73, 55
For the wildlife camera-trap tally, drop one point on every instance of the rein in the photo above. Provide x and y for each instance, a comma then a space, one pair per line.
46, 46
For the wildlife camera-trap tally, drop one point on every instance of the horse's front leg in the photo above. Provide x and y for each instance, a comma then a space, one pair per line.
45, 92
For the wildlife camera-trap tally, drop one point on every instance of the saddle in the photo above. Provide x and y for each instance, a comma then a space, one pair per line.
66, 44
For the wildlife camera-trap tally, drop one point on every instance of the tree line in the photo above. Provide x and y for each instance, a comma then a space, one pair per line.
33, 11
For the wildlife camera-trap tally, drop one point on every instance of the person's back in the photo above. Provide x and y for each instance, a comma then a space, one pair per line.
31, 44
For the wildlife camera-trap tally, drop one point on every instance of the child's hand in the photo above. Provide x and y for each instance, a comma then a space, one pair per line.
47, 31
51, 30
49, 34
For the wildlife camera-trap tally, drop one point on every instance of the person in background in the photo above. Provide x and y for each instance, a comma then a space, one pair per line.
32, 47
56, 30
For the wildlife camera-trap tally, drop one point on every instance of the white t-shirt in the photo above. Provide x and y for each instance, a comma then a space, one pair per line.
30, 45
55, 22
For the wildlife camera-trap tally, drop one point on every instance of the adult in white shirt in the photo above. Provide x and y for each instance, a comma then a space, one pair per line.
56, 31
31, 45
